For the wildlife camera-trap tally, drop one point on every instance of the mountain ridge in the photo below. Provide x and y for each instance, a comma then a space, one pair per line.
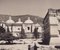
23, 18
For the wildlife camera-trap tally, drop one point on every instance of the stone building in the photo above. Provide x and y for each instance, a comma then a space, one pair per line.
15, 26
52, 26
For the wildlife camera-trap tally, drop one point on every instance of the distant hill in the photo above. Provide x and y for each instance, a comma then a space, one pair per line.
35, 19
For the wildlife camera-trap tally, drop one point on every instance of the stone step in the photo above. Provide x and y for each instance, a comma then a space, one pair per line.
55, 41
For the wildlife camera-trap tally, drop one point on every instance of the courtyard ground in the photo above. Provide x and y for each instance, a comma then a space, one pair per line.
23, 45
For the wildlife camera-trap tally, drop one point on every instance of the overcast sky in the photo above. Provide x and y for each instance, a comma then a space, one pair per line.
22, 7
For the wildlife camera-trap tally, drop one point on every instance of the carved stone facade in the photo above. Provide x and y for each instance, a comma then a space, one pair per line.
15, 27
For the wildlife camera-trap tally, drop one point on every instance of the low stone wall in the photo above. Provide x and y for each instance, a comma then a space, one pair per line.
55, 41
14, 47
44, 47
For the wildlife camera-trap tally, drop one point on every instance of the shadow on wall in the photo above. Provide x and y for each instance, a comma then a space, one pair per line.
46, 39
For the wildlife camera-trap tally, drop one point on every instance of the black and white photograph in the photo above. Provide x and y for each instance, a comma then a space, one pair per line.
29, 24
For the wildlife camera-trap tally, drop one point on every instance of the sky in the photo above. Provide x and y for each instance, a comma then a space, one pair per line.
32, 7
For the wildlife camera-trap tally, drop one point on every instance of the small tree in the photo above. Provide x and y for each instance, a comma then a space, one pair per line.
8, 36
36, 33
2, 31
22, 33
46, 39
